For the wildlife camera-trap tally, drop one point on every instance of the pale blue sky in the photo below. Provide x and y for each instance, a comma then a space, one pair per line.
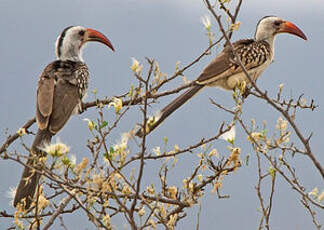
167, 30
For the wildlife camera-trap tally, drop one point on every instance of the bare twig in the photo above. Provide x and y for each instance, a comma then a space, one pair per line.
59, 210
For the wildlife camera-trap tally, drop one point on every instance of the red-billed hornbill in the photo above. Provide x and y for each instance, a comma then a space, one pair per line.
224, 72
60, 90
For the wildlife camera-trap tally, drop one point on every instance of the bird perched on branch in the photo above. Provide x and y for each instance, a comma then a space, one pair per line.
224, 71
60, 90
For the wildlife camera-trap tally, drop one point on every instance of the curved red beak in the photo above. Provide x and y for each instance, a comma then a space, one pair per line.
94, 35
288, 27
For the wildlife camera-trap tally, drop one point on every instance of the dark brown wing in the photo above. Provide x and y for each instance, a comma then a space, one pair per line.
66, 99
45, 93
219, 65
224, 64
58, 93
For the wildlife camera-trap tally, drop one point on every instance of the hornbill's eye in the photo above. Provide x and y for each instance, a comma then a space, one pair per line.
81, 33
277, 23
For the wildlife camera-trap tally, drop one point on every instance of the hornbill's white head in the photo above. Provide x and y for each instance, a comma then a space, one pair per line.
269, 26
71, 41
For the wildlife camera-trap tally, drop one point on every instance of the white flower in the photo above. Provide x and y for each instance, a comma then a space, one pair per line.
158, 75
314, 192
157, 150
141, 212
185, 182
206, 21
150, 189
106, 220
213, 152
282, 124
303, 101
185, 80
136, 67
229, 135
91, 124
173, 191
236, 26
152, 223
73, 159
255, 136
281, 86
320, 197
172, 221
57, 149
11, 194
121, 145
151, 121
94, 91
42, 202
126, 190
125, 138
117, 103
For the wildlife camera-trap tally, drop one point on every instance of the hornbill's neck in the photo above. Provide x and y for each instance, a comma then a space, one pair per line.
69, 46
269, 26
70, 43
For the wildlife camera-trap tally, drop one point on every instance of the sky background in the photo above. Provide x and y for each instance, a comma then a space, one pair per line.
168, 31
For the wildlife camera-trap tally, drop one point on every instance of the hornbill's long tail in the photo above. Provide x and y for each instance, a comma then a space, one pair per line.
170, 108
30, 178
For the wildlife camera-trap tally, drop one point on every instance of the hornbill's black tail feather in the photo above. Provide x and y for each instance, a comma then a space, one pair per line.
170, 108
29, 179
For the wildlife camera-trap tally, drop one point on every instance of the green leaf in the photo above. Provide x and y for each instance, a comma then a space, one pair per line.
95, 126
231, 141
111, 149
264, 132
131, 91
66, 161
247, 158
165, 140
104, 124
272, 171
